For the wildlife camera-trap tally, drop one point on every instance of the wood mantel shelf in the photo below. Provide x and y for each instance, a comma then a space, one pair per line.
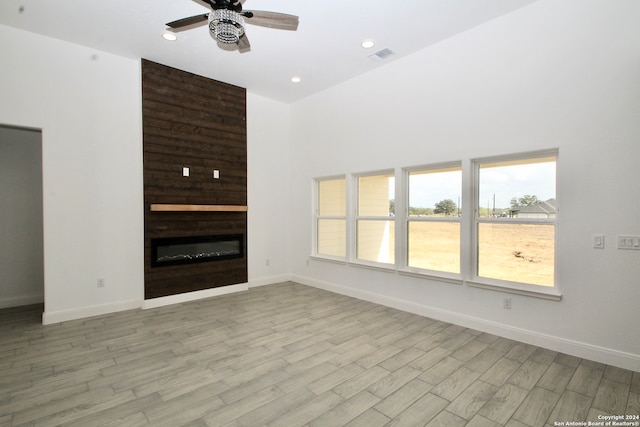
198, 208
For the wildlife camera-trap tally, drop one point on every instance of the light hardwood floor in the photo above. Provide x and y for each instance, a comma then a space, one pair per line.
290, 355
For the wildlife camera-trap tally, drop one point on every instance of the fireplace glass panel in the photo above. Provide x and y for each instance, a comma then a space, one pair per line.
186, 250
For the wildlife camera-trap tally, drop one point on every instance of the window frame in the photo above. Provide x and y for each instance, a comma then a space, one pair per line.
356, 217
317, 217
405, 268
469, 221
542, 291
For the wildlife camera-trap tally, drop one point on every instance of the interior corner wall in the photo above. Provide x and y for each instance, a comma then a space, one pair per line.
87, 104
553, 74
268, 159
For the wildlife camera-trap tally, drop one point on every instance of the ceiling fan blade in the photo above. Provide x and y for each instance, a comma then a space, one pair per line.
188, 21
280, 21
243, 44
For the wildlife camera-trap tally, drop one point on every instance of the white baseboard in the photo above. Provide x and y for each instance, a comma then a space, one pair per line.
21, 300
49, 317
192, 296
253, 283
575, 348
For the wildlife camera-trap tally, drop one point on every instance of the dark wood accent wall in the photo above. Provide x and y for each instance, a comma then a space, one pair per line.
195, 122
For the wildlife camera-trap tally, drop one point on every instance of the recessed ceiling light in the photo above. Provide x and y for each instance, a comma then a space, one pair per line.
168, 35
367, 44
296, 79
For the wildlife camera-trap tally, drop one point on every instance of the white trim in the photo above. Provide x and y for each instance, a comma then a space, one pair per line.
21, 300
49, 317
380, 266
441, 276
192, 296
575, 348
264, 281
545, 292
335, 260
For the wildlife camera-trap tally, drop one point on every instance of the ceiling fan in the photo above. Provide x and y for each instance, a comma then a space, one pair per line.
227, 19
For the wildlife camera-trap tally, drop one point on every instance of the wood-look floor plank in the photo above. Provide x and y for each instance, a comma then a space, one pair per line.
369, 418
346, 411
585, 380
571, 406
312, 409
633, 405
527, 375
500, 372
611, 397
556, 377
537, 407
471, 400
447, 419
421, 412
290, 355
502, 405
394, 404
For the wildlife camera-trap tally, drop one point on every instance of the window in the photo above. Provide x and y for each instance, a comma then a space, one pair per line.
331, 220
488, 223
433, 218
375, 226
515, 221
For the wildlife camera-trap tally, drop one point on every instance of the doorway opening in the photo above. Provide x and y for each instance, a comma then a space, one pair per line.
21, 210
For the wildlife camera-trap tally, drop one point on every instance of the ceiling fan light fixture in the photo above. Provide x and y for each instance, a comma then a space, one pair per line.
226, 25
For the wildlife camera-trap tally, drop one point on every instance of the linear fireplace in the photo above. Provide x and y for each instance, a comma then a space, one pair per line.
193, 249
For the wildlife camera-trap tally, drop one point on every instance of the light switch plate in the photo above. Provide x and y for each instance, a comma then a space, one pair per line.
185, 171
216, 174
598, 241
628, 242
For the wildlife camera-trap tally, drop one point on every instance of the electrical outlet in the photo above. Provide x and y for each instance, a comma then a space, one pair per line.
267, 263
506, 303
101, 283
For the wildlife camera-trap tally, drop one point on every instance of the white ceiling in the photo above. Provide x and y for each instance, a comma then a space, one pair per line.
323, 52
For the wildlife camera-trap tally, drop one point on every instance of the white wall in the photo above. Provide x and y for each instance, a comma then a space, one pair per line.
21, 252
556, 74
268, 147
87, 104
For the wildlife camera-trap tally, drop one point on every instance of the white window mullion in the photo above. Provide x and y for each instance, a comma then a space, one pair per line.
467, 221
401, 205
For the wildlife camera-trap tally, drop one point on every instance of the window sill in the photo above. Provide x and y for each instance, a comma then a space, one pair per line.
372, 266
518, 288
424, 274
359, 264
336, 260
535, 291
